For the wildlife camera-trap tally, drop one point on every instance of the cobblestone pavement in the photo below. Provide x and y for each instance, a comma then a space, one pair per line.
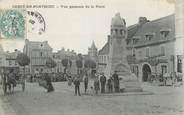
35, 101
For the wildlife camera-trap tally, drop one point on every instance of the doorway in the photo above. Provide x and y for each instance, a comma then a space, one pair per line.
146, 71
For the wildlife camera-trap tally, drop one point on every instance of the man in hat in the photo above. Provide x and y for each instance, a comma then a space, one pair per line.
77, 85
85, 83
102, 82
116, 81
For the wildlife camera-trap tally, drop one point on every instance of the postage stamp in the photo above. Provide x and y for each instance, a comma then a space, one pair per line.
12, 24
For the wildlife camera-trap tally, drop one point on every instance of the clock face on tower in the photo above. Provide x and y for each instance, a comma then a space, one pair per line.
12, 24
35, 23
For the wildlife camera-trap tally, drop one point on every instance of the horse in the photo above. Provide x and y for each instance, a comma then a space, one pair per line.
11, 84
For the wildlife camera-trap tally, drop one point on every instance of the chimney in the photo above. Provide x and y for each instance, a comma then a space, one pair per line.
143, 20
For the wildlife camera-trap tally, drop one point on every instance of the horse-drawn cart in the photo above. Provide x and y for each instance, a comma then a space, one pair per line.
9, 80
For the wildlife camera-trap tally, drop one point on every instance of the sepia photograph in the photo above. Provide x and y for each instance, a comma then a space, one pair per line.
92, 57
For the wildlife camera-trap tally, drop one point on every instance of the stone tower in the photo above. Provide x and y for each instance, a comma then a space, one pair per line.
117, 49
118, 56
93, 52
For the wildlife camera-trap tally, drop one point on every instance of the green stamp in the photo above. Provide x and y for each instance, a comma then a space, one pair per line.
12, 24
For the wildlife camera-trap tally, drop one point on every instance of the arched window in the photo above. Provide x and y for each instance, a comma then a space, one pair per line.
122, 32
116, 31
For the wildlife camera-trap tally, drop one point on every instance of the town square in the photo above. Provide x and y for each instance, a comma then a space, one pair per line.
137, 70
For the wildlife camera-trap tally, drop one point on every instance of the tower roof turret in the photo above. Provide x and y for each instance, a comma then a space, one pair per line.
93, 45
117, 20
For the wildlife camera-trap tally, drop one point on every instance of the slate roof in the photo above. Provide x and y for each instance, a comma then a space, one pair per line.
104, 50
132, 30
39, 45
155, 27
152, 27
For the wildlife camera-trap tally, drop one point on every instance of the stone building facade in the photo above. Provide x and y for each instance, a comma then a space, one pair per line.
150, 48
10, 59
38, 52
65, 54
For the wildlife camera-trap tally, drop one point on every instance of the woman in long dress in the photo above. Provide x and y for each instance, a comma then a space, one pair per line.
50, 87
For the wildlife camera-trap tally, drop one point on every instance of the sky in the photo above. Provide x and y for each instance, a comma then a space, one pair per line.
76, 28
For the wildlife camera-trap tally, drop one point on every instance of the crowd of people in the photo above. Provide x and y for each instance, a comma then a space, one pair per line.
100, 83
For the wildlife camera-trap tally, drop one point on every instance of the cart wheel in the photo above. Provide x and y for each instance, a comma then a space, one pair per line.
23, 87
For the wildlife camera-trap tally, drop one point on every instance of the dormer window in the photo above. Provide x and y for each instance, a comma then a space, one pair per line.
148, 37
164, 33
135, 41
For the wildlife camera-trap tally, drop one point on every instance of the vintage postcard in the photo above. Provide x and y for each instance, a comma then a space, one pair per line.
91, 57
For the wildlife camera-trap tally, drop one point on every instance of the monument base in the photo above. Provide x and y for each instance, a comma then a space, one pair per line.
130, 83
130, 86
